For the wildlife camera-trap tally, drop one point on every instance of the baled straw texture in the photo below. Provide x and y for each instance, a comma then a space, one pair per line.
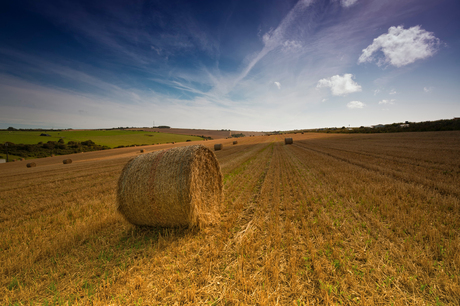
67, 161
30, 165
142, 150
218, 146
288, 141
177, 187
235, 142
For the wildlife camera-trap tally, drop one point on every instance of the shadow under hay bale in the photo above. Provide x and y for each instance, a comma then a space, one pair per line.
288, 141
30, 165
67, 161
218, 146
176, 187
235, 142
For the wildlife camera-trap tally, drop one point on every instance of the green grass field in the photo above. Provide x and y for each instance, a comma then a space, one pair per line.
110, 138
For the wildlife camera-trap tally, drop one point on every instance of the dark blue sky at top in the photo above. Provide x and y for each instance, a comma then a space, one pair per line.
220, 64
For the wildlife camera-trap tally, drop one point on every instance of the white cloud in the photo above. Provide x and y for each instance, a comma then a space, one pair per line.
428, 89
347, 3
392, 101
355, 104
324, 100
291, 45
393, 92
278, 84
340, 85
401, 47
376, 91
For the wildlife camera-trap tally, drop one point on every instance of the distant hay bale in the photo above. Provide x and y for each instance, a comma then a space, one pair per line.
235, 142
218, 146
30, 165
176, 187
142, 151
67, 161
288, 141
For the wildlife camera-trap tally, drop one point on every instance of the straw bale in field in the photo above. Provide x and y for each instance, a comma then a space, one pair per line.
288, 141
67, 161
235, 142
218, 146
142, 151
30, 165
180, 186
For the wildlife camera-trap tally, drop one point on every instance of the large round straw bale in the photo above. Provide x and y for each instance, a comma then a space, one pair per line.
67, 161
235, 142
175, 187
142, 150
288, 141
30, 165
218, 146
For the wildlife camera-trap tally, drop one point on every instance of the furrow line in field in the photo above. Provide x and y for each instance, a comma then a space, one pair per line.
389, 157
377, 238
444, 189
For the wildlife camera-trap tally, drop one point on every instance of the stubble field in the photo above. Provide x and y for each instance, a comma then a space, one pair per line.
329, 220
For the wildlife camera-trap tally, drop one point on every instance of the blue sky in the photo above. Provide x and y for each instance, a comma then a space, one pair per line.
241, 65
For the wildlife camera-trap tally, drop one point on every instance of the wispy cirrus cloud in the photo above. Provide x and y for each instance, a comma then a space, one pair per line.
428, 89
277, 37
348, 3
401, 46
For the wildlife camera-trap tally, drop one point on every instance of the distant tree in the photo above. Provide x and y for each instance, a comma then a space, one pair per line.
11, 128
88, 143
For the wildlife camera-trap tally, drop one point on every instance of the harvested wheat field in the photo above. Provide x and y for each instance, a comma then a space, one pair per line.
328, 220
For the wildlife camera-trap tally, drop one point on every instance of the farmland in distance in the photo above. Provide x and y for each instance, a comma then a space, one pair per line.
110, 138
330, 219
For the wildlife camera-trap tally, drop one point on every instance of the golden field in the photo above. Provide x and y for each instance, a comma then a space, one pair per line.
330, 220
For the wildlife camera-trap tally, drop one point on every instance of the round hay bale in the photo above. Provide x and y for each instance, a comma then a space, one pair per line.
288, 141
142, 151
218, 146
30, 165
235, 142
67, 161
176, 187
